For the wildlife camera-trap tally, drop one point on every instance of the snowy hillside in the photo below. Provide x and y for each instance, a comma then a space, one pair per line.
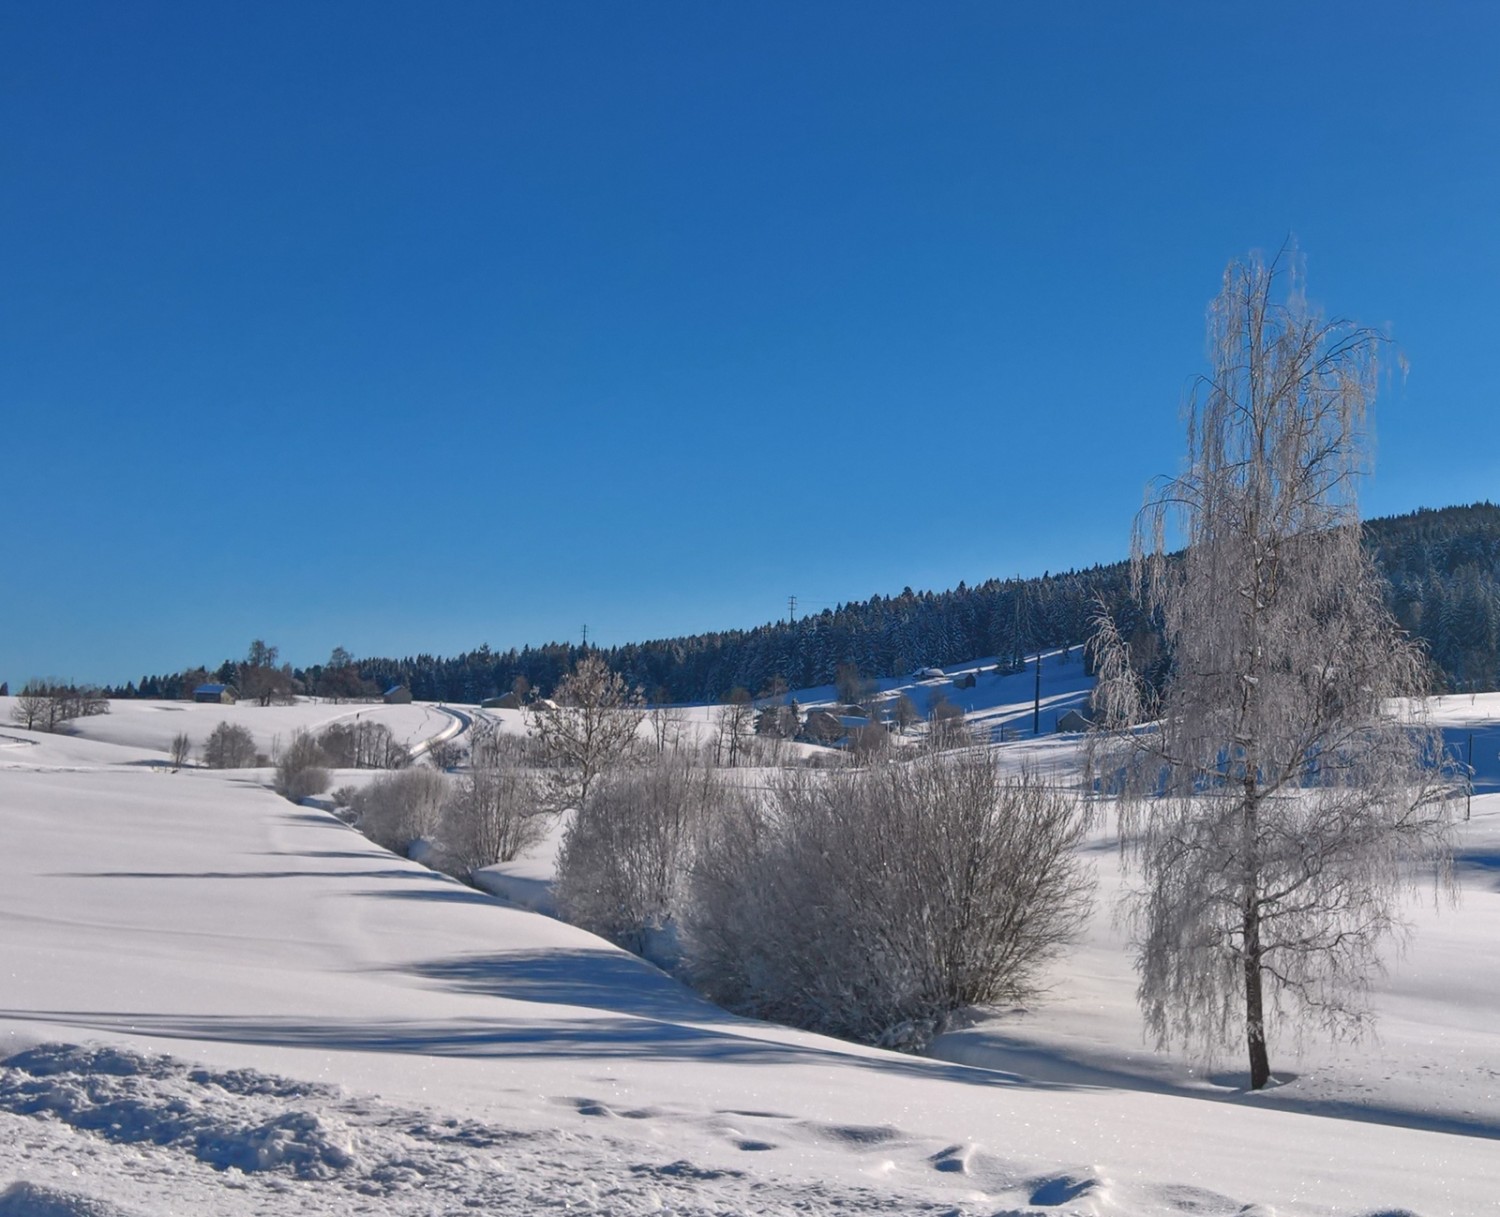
218, 1001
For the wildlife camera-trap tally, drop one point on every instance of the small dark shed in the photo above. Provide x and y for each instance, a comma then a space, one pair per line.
397, 695
221, 695
1072, 720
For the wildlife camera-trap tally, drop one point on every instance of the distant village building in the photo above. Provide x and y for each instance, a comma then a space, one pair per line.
821, 727
966, 681
778, 722
506, 701
221, 695
1072, 720
397, 695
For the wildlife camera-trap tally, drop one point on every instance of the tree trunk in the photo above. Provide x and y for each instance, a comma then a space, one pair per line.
1255, 1012
1255, 1021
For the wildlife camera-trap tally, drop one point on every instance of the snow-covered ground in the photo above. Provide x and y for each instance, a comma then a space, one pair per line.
215, 1001
151, 725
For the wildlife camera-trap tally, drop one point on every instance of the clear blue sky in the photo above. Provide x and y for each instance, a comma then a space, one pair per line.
412, 327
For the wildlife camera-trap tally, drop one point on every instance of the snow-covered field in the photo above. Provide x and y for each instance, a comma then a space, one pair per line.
216, 1001
152, 724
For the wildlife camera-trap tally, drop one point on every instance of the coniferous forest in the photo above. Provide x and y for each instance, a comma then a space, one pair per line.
1442, 569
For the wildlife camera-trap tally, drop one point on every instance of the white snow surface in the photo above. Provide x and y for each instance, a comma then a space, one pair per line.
216, 1001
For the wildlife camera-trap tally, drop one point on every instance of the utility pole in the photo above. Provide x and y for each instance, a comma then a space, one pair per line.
791, 609
585, 636
1036, 709
1469, 800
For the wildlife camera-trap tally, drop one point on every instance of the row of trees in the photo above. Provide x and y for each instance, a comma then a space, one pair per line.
262, 678
45, 705
868, 902
1441, 579
356, 745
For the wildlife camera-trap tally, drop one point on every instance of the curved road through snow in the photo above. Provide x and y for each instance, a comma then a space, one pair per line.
459, 722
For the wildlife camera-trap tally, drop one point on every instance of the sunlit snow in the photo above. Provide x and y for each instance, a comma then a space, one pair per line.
217, 1001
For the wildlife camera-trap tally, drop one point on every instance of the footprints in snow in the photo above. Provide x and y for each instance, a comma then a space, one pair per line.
1063, 1189
893, 1153
593, 1107
748, 1140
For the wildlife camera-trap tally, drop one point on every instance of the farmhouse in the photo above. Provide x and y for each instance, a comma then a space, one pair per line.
821, 727
217, 694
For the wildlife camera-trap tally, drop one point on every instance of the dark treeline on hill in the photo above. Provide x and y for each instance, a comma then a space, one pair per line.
1442, 567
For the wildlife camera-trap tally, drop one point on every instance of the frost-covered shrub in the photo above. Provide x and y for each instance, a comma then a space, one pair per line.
229, 746
301, 771
874, 903
494, 813
624, 859
397, 809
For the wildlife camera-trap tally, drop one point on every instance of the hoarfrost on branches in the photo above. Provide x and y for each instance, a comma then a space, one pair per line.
1281, 789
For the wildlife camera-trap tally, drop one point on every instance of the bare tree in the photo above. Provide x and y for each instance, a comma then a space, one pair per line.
736, 725
229, 746
340, 679
869, 741
593, 728
1281, 801
302, 770
362, 744
445, 754
874, 903
182, 748
493, 813
47, 704
851, 686
261, 680
666, 721
906, 712
33, 707
946, 725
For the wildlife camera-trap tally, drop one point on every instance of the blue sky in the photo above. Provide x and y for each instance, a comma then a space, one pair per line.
411, 327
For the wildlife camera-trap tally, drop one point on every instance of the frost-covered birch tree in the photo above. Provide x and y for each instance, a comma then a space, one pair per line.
593, 727
1281, 791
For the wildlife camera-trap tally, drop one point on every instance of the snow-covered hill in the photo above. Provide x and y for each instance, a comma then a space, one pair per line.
262, 1012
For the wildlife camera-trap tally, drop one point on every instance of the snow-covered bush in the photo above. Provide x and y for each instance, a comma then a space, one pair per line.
874, 903
302, 770
397, 809
624, 859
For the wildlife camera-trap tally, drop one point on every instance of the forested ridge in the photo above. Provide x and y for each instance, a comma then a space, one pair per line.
1442, 568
